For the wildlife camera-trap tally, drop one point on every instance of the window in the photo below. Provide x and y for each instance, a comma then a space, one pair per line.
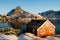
51, 30
42, 31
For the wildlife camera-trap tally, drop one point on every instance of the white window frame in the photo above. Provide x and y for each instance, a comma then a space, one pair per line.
51, 30
42, 31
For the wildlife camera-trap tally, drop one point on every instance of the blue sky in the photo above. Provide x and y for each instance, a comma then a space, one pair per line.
33, 6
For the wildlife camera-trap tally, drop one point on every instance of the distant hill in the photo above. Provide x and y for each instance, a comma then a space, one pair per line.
51, 14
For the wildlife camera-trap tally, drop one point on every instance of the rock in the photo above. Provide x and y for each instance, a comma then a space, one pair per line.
30, 35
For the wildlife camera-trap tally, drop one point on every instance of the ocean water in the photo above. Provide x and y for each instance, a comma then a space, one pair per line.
57, 26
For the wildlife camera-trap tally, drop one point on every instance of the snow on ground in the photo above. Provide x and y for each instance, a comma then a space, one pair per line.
29, 36
26, 36
8, 37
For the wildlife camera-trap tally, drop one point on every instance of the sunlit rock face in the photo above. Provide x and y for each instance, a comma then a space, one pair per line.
8, 37
18, 10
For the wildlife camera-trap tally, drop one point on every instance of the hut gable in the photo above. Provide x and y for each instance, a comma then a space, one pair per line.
47, 23
47, 28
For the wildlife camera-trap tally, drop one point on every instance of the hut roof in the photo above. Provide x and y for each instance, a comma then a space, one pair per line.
36, 23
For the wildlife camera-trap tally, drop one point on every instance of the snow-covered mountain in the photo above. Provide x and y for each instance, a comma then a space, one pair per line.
51, 14
18, 11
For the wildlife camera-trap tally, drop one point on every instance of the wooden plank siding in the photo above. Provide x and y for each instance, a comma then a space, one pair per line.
46, 29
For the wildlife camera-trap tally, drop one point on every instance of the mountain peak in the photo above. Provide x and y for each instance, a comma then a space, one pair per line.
18, 7
18, 10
